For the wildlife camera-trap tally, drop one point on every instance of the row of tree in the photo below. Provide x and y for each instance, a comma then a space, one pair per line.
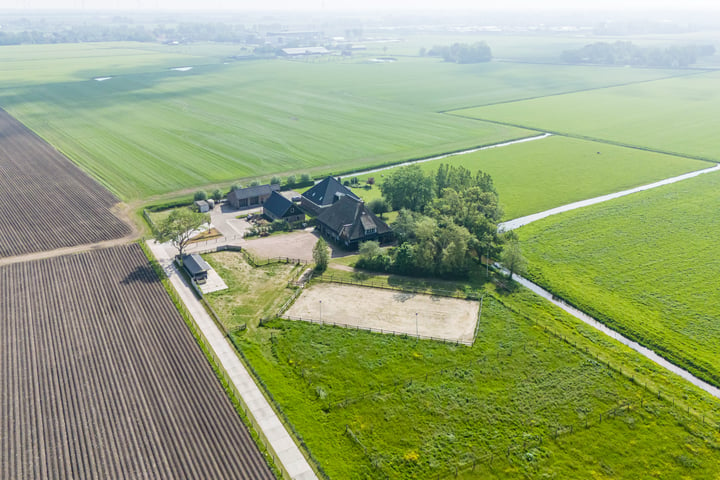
447, 220
460, 52
627, 53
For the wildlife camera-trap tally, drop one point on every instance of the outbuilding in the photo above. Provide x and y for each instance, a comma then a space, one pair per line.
277, 207
202, 206
196, 267
251, 196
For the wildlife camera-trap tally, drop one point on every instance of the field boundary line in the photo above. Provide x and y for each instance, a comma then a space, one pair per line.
570, 92
596, 140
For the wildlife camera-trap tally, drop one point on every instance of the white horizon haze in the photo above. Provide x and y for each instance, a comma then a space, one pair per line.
359, 5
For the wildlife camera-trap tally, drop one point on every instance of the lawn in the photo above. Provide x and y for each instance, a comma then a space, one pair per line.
253, 292
150, 130
535, 176
677, 115
646, 265
520, 403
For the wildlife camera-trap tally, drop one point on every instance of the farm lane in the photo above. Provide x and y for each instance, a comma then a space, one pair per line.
286, 452
71, 250
519, 222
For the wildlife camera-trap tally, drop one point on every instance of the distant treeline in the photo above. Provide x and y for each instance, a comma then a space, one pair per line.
77, 34
182, 33
625, 53
460, 52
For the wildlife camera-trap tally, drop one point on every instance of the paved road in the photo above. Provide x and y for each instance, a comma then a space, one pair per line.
284, 449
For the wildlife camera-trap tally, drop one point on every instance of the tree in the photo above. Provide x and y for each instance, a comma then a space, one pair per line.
255, 183
275, 181
305, 178
290, 181
179, 227
512, 257
321, 255
408, 187
217, 195
200, 195
379, 206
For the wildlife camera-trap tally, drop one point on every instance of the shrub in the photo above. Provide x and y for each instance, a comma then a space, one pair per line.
200, 195
255, 183
279, 225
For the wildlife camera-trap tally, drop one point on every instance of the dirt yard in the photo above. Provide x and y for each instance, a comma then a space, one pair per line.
292, 245
387, 310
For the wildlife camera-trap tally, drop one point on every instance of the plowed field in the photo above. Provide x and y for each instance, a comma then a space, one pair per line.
47, 202
100, 378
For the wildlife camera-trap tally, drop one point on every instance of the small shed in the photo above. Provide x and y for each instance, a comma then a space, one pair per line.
196, 267
202, 206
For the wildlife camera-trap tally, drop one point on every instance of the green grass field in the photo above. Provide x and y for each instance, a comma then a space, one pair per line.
675, 115
151, 131
520, 403
646, 265
536, 176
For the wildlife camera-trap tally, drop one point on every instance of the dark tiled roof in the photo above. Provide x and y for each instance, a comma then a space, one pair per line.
350, 218
194, 264
255, 191
324, 193
277, 205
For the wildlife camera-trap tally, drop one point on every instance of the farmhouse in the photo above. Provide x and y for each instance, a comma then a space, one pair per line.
196, 267
349, 222
278, 207
251, 196
325, 194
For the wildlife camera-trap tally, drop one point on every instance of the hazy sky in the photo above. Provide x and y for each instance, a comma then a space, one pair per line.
359, 4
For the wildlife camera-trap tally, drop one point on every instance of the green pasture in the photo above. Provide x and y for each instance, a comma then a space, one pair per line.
677, 115
520, 403
646, 265
535, 176
150, 131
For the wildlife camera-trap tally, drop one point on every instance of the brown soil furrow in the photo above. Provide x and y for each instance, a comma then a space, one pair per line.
48, 202
103, 380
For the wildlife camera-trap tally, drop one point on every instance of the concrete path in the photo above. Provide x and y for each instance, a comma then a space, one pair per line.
280, 444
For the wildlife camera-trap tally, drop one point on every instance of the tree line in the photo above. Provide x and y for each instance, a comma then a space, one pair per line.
627, 53
460, 52
447, 221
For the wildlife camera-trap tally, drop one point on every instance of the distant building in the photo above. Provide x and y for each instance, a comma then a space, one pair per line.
307, 37
251, 196
196, 267
305, 51
348, 222
324, 194
202, 206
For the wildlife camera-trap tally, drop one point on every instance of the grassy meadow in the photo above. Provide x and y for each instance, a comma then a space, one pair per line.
676, 115
253, 293
646, 265
535, 176
151, 131
520, 403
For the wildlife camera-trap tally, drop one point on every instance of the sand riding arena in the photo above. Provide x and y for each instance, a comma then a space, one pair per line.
387, 311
